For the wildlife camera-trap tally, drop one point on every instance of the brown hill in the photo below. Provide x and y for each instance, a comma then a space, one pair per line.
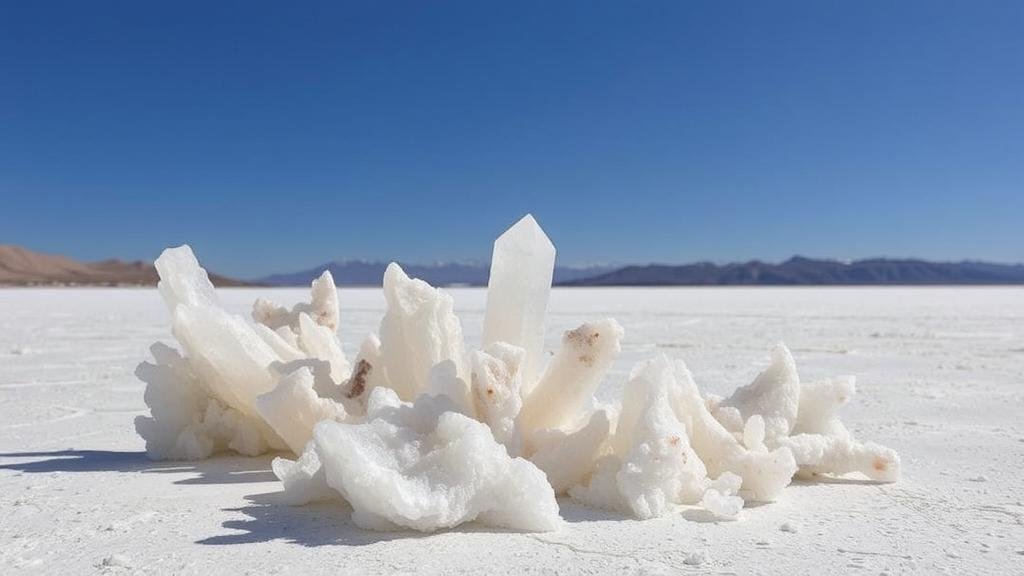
22, 267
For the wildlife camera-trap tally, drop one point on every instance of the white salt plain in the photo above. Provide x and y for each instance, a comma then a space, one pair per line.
940, 379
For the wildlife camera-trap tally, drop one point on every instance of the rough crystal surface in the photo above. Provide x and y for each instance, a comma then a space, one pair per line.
420, 433
424, 466
419, 330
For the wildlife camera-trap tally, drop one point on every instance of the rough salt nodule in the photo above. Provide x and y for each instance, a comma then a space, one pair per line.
418, 432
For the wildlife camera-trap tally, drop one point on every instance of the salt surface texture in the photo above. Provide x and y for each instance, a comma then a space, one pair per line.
418, 433
938, 376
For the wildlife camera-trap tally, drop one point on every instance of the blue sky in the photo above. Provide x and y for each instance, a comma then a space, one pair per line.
274, 137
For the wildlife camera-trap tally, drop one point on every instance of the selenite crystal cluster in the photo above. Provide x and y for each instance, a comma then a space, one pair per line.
419, 432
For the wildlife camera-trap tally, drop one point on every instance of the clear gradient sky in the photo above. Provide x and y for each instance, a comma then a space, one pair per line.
274, 137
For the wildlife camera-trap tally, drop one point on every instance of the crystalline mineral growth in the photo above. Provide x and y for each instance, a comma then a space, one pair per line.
653, 468
425, 466
496, 381
369, 373
522, 266
558, 435
293, 408
182, 280
177, 401
205, 400
320, 342
569, 458
322, 307
823, 445
308, 330
303, 479
418, 433
215, 383
774, 395
802, 418
572, 376
418, 331
765, 473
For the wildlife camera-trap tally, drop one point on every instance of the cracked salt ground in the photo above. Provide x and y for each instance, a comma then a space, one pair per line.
64, 483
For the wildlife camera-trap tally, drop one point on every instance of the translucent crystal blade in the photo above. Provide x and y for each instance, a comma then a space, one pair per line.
183, 280
517, 292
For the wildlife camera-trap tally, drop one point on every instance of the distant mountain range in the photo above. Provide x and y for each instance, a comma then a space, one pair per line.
793, 272
363, 273
23, 267
806, 271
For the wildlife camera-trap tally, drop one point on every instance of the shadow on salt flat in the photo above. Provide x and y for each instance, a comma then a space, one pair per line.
222, 470
826, 479
316, 524
575, 513
702, 516
330, 524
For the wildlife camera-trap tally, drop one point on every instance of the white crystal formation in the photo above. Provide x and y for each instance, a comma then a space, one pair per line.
418, 331
652, 467
426, 466
522, 266
560, 396
205, 400
417, 432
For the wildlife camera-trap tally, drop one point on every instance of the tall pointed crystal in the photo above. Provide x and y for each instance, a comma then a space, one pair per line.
517, 292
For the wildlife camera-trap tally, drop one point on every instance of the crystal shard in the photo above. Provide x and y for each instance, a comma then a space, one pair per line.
572, 375
182, 280
517, 292
418, 331
293, 408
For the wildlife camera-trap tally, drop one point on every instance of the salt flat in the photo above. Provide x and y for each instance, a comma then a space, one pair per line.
940, 378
